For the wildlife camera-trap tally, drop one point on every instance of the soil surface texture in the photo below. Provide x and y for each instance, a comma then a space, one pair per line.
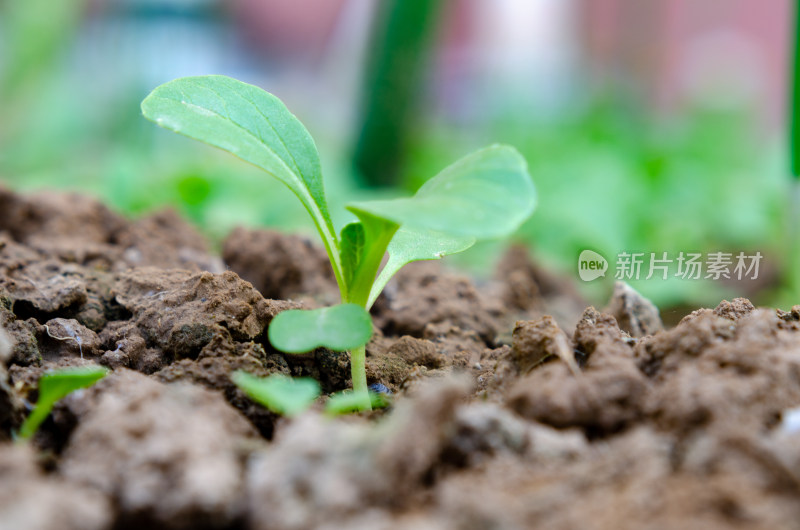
513, 405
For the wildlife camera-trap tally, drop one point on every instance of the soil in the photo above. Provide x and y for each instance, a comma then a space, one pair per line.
513, 405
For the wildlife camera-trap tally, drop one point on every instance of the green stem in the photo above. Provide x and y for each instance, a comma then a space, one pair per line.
358, 369
331, 242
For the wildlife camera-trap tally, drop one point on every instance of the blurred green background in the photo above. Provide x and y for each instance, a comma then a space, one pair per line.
648, 127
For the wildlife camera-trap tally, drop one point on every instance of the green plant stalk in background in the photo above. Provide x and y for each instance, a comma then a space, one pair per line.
400, 42
486, 194
792, 274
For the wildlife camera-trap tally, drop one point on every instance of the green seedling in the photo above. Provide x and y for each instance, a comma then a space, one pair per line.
486, 194
55, 386
290, 396
348, 401
278, 393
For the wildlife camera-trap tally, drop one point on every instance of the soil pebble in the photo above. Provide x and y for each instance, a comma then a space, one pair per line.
635, 314
536, 341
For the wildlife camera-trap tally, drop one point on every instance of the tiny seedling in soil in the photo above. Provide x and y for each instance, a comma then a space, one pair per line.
486, 194
54, 386
290, 396
279, 393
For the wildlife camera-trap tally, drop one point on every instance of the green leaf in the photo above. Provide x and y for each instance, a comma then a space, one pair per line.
352, 249
378, 233
339, 328
416, 245
253, 125
347, 401
486, 194
278, 393
54, 386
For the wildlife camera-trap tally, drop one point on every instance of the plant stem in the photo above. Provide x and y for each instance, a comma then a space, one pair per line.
358, 369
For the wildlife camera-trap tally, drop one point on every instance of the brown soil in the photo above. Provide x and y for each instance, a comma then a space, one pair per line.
513, 406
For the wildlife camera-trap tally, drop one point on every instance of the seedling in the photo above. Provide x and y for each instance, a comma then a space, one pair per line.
280, 394
486, 194
54, 386
348, 401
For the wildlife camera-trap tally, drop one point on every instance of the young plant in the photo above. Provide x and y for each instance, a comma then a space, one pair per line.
290, 396
486, 194
54, 386
280, 394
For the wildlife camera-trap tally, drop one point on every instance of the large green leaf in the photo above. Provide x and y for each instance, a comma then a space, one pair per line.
253, 125
410, 245
280, 394
339, 328
55, 386
486, 194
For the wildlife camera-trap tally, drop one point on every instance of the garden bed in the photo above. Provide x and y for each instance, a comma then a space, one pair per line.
554, 422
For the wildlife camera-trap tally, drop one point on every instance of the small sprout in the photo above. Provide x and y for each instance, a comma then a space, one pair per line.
280, 394
486, 194
54, 386
348, 401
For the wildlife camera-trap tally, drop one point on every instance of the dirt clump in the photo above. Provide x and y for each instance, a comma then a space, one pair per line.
606, 396
63, 337
220, 358
144, 242
171, 456
628, 482
536, 341
738, 308
31, 500
419, 352
634, 313
280, 266
422, 294
74, 228
747, 376
179, 311
373, 472
10, 404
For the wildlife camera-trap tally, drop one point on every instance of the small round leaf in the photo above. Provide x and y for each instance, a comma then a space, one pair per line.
339, 328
